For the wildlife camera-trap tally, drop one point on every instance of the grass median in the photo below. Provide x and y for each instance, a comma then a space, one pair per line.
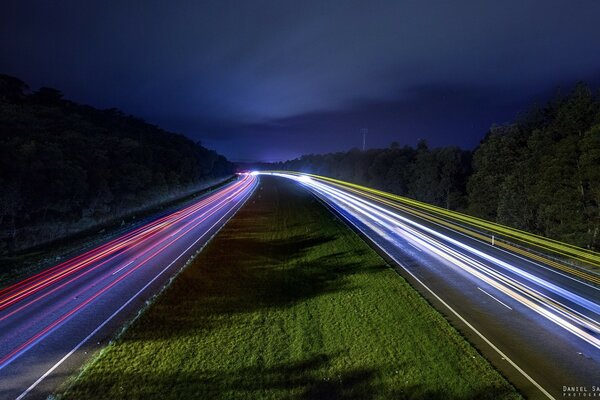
287, 302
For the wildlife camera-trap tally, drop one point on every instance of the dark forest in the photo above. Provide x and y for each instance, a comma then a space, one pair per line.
540, 173
67, 167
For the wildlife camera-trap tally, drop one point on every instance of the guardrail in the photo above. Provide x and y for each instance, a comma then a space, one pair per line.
552, 252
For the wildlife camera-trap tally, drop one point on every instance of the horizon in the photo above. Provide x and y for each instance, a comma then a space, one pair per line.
559, 92
273, 81
272, 199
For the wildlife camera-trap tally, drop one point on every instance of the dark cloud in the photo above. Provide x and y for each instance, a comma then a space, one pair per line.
274, 79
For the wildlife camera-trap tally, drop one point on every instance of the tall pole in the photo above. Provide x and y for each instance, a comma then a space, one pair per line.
364, 132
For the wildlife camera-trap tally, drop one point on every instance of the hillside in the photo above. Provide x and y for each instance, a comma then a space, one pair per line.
65, 167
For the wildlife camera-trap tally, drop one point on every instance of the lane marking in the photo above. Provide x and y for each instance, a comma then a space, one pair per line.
176, 232
494, 298
466, 263
413, 246
46, 331
124, 266
64, 269
444, 224
530, 258
106, 321
485, 339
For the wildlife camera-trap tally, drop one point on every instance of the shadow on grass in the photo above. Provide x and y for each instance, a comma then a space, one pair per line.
300, 380
419, 392
277, 251
304, 379
255, 264
276, 276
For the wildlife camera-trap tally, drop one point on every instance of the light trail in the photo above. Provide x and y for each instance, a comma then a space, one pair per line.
114, 314
482, 230
37, 307
462, 269
30, 286
530, 239
40, 335
134, 255
570, 311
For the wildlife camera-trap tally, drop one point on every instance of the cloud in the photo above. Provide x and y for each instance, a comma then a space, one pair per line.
216, 69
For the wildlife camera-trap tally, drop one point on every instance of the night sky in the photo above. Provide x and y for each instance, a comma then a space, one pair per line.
271, 80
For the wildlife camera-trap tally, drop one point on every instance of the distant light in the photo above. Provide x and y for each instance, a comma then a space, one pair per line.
304, 178
254, 173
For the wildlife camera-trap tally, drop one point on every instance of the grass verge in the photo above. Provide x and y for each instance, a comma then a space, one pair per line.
287, 302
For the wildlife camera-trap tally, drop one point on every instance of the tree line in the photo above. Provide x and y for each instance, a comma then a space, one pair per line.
540, 173
65, 166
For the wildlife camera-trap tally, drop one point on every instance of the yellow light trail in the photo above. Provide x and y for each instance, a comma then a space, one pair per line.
470, 225
581, 325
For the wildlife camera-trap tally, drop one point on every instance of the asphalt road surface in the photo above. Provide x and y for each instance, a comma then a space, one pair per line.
50, 322
537, 324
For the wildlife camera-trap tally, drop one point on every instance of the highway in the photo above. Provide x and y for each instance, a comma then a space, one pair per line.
538, 324
52, 321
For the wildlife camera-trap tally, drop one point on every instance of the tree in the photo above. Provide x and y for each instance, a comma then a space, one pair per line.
589, 163
66, 166
493, 160
11, 88
540, 173
47, 96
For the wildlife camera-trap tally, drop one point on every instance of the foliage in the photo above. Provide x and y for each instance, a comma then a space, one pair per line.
437, 176
540, 174
64, 166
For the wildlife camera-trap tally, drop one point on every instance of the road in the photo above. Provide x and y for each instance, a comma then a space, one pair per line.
50, 322
537, 324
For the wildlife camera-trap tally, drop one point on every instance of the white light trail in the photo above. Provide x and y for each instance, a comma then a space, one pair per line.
389, 225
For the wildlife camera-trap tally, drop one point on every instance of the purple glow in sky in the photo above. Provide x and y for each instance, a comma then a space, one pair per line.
271, 80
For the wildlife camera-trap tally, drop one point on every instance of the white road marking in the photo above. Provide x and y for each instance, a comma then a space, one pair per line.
123, 267
529, 260
106, 321
176, 232
494, 298
414, 247
485, 339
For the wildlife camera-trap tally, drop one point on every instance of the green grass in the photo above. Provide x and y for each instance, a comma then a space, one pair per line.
287, 302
